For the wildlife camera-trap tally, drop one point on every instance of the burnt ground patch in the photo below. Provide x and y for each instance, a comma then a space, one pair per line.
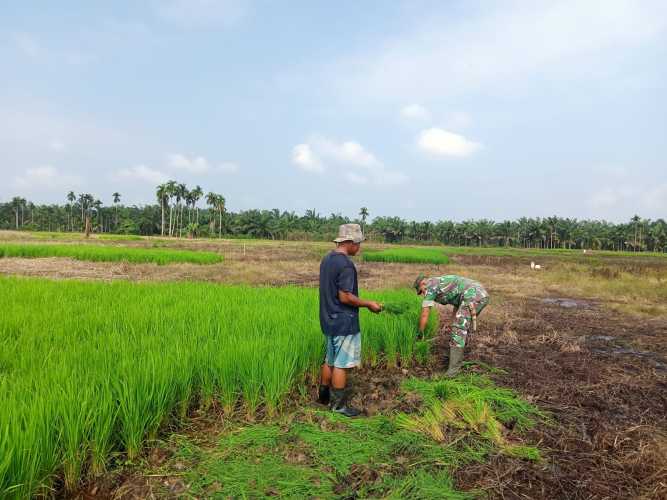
601, 376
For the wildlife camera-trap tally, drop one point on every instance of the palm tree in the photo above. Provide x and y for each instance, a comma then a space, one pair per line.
363, 213
71, 198
196, 194
116, 200
635, 220
17, 206
98, 213
162, 198
171, 192
221, 209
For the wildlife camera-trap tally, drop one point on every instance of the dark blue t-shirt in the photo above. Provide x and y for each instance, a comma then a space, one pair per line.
337, 272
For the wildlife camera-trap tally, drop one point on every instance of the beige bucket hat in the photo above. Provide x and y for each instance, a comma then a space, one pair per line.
349, 232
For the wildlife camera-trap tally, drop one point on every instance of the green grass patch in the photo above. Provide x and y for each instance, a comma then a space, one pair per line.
120, 237
547, 252
407, 255
316, 454
89, 369
100, 253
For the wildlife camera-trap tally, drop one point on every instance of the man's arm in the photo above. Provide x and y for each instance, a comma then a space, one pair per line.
350, 299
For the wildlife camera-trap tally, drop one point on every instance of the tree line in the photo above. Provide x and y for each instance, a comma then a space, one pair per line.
178, 213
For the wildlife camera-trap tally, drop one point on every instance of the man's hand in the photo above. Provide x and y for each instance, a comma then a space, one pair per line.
352, 300
374, 307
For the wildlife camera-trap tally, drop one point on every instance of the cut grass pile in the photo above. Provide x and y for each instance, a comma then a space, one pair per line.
314, 454
89, 369
407, 255
97, 253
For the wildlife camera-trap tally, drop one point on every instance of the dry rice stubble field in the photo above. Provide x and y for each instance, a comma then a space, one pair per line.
593, 356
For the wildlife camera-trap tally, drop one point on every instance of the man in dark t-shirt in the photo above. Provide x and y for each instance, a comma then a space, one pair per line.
339, 318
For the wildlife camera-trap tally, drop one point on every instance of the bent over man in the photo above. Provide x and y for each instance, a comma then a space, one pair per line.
468, 299
339, 318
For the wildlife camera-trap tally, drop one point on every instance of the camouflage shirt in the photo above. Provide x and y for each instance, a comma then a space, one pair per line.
452, 290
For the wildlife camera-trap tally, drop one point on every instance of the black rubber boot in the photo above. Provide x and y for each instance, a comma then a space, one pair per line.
324, 395
455, 361
338, 403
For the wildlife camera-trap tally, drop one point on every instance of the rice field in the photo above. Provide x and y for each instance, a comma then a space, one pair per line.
407, 255
90, 370
97, 253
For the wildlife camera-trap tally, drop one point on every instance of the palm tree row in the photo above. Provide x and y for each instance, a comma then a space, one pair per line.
177, 213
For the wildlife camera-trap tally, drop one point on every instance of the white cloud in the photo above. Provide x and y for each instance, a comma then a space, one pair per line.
193, 14
45, 177
415, 112
195, 165
358, 165
499, 48
441, 142
142, 173
304, 158
349, 152
57, 146
199, 164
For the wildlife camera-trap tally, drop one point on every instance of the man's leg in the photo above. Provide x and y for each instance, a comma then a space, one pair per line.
325, 374
338, 378
324, 392
348, 355
458, 340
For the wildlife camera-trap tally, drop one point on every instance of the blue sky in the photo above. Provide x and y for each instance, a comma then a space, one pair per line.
423, 109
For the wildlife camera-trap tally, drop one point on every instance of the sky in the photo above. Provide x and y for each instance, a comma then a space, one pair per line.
427, 110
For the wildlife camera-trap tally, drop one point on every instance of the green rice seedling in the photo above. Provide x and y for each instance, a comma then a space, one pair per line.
120, 237
92, 369
103, 420
422, 349
431, 422
396, 307
475, 407
423, 255
506, 405
99, 253
76, 415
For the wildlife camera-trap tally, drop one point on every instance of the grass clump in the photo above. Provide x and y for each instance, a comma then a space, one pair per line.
407, 255
97, 253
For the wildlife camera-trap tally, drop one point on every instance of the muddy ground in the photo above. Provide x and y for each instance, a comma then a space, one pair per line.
601, 375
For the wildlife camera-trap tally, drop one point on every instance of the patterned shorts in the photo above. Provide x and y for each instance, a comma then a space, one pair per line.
343, 351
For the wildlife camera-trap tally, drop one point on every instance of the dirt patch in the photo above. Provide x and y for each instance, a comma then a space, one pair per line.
609, 412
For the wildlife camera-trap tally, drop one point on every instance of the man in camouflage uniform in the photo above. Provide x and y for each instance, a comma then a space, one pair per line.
468, 298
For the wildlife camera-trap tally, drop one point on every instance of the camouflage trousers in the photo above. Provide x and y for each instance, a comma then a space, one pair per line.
474, 301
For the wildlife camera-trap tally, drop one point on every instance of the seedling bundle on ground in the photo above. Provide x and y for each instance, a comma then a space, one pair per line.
316, 454
422, 255
158, 256
87, 369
